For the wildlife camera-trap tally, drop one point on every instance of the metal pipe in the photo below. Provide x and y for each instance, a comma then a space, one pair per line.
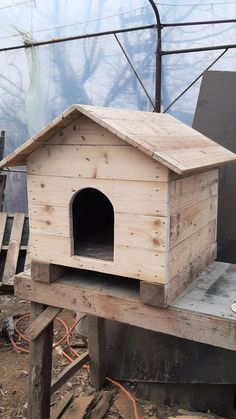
135, 72
157, 107
204, 22
200, 49
74, 38
194, 81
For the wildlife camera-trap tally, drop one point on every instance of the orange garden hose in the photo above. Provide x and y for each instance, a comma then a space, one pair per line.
66, 337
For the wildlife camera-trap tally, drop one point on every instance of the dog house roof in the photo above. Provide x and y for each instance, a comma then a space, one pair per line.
160, 136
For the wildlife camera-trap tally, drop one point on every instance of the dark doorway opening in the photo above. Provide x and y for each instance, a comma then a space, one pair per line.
93, 225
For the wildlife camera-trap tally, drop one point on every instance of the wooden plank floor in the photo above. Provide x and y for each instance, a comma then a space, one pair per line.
202, 314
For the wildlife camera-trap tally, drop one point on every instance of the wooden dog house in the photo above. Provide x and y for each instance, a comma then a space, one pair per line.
125, 193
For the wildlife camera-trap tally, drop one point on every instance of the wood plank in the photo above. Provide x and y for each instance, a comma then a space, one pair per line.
143, 264
97, 351
83, 131
3, 179
188, 191
141, 231
40, 365
80, 408
59, 409
133, 230
102, 407
95, 162
189, 220
162, 295
189, 249
167, 140
46, 272
41, 322
147, 198
121, 303
69, 371
50, 220
3, 218
27, 256
13, 247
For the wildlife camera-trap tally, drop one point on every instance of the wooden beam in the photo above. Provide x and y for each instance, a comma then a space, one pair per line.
102, 407
46, 272
40, 365
97, 349
60, 408
41, 322
13, 247
112, 301
69, 371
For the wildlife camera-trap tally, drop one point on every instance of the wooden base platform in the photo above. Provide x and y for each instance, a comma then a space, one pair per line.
202, 314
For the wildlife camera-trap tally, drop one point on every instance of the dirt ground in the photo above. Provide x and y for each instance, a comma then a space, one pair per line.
14, 375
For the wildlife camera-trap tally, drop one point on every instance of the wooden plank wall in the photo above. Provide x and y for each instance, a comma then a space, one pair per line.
153, 213
86, 155
193, 222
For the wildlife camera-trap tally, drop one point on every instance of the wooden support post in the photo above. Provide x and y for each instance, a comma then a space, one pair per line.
46, 272
96, 344
40, 365
41, 322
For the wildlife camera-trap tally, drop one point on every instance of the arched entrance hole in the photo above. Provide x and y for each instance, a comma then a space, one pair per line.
93, 225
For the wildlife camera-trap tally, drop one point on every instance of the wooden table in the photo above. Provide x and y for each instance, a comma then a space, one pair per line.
202, 314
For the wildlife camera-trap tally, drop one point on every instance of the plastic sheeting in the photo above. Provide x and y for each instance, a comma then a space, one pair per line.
37, 84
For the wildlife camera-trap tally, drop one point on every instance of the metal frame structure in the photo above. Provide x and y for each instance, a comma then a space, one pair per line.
159, 52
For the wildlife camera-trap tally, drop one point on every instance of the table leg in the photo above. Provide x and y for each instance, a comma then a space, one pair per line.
40, 366
96, 344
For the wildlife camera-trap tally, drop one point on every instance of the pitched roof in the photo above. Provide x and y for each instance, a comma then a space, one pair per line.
160, 136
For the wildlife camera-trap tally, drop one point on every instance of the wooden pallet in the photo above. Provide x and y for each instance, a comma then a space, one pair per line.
14, 255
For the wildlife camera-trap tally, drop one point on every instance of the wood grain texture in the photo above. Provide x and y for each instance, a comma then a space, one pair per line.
160, 136
13, 247
40, 363
58, 410
95, 162
84, 131
46, 272
3, 219
133, 230
186, 222
69, 371
121, 303
181, 256
145, 264
186, 192
146, 198
102, 407
41, 322
97, 351
142, 231
162, 295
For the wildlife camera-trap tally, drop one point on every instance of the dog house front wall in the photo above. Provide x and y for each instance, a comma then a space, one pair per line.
164, 224
87, 156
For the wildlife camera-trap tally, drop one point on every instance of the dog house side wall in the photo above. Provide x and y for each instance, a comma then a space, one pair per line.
85, 155
193, 221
